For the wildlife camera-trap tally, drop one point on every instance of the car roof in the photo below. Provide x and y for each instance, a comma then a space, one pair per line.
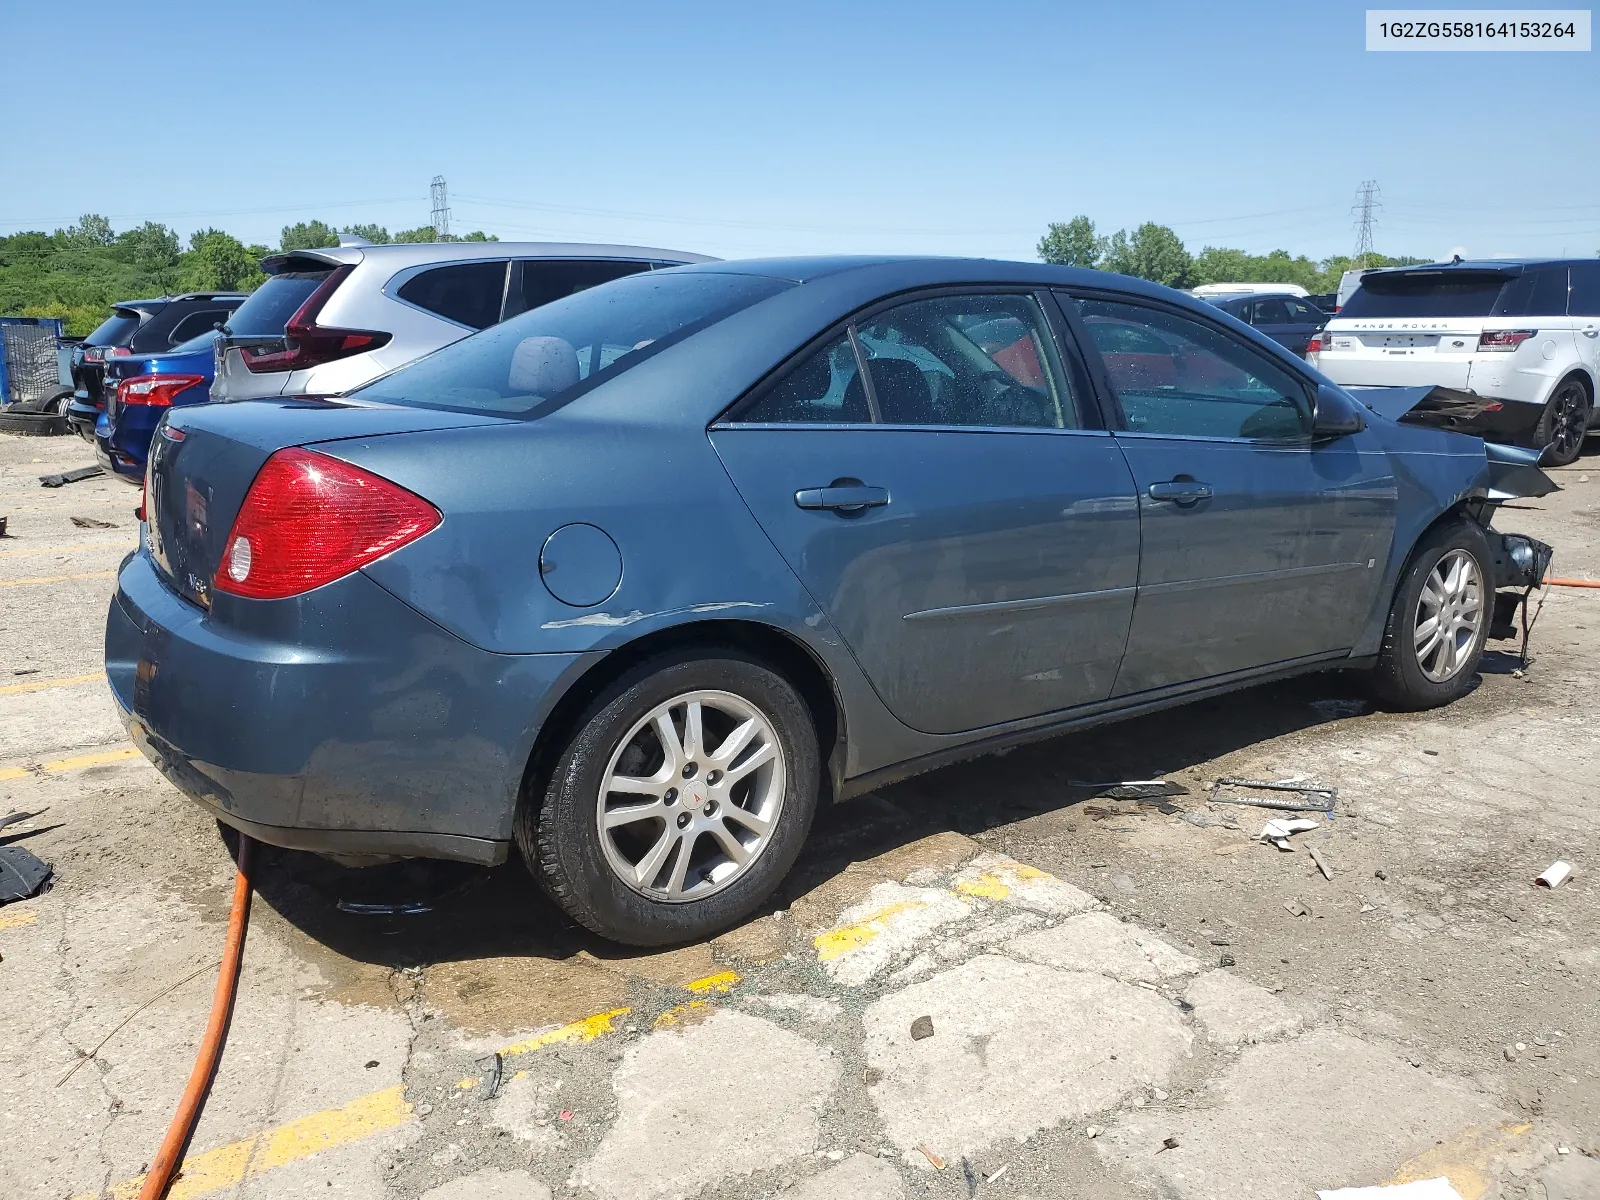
889, 272
1482, 264
400, 255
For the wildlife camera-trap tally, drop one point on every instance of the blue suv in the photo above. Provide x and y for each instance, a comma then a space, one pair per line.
139, 391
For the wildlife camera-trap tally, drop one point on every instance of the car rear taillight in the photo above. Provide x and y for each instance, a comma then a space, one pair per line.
309, 519
118, 352
1504, 339
154, 391
1315, 345
307, 344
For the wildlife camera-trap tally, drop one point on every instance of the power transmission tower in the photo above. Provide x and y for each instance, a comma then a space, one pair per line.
1366, 207
441, 208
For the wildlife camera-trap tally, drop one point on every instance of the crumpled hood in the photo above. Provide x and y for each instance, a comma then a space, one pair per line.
1512, 473
1391, 402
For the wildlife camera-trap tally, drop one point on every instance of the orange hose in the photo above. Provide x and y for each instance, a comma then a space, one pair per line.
1595, 583
165, 1165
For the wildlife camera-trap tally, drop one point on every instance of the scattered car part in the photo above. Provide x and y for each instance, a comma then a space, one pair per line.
77, 475
22, 874
1279, 830
1555, 874
32, 424
1328, 797
17, 817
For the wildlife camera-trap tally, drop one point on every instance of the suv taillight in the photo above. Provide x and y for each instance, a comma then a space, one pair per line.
309, 519
1315, 345
1504, 339
307, 344
154, 391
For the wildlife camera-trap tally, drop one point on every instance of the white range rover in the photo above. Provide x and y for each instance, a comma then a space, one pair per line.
1522, 336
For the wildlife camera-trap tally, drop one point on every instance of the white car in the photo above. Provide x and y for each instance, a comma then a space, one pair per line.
1523, 336
329, 320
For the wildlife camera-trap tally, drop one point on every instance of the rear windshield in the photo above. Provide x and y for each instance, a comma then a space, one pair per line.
272, 304
1458, 294
116, 330
534, 363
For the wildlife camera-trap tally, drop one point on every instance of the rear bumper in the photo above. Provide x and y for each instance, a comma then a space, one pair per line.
82, 413
343, 722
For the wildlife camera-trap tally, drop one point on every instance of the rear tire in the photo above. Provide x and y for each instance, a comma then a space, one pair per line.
700, 833
1564, 423
1447, 582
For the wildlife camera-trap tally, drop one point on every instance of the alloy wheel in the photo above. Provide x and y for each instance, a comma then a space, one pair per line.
1570, 422
691, 797
1449, 615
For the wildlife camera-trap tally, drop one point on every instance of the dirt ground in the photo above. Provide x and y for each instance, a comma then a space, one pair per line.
990, 980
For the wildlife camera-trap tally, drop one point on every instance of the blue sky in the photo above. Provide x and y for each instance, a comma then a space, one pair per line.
743, 129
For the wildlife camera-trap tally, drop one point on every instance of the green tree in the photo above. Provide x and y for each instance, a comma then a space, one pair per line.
1156, 253
153, 249
308, 235
219, 262
376, 234
91, 230
422, 233
1071, 245
477, 235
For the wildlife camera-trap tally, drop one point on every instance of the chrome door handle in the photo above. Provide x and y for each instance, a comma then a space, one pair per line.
844, 498
1590, 331
1181, 491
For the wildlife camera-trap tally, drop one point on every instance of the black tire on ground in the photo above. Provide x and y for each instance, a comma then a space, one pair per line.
1397, 680
32, 424
1564, 423
60, 402
558, 828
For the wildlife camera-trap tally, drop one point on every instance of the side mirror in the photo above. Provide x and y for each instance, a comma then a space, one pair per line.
1336, 415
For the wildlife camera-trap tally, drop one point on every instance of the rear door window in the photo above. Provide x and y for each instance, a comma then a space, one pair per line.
469, 294
1269, 312
271, 305
1584, 300
195, 324
539, 281
825, 389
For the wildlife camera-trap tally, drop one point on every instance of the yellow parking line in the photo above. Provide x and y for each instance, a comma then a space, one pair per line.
835, 943
58, 578
230, 1165
76, 763
40, 685
585, 1030
377, 1112
80, 761
16, 920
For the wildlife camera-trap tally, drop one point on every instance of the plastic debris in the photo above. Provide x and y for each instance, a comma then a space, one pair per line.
1555, 874
1004, 1167
66, 477
493, 1068
1296, 909
93, 523
938, 1163
921, 1028
1322, 863
22, 874
1280, 829
1170, 1143
1424, 1189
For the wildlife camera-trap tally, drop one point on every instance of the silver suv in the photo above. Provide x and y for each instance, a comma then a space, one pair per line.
326, 321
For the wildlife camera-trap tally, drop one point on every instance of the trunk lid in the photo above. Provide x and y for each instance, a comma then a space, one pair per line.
204, 459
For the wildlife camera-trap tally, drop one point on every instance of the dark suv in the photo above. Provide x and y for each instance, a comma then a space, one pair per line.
139, 327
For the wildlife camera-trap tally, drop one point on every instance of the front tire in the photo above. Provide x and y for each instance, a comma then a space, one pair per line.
1438, 622
681, 801
1564, 423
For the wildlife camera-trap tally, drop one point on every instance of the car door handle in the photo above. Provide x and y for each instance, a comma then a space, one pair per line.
1181, 491
1590, 331
851, 498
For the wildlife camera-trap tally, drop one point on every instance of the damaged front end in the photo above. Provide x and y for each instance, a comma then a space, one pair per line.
1519, 562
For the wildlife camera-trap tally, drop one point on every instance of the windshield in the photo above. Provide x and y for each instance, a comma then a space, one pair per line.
532, 364
116, 330
1435, 294
271, 305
